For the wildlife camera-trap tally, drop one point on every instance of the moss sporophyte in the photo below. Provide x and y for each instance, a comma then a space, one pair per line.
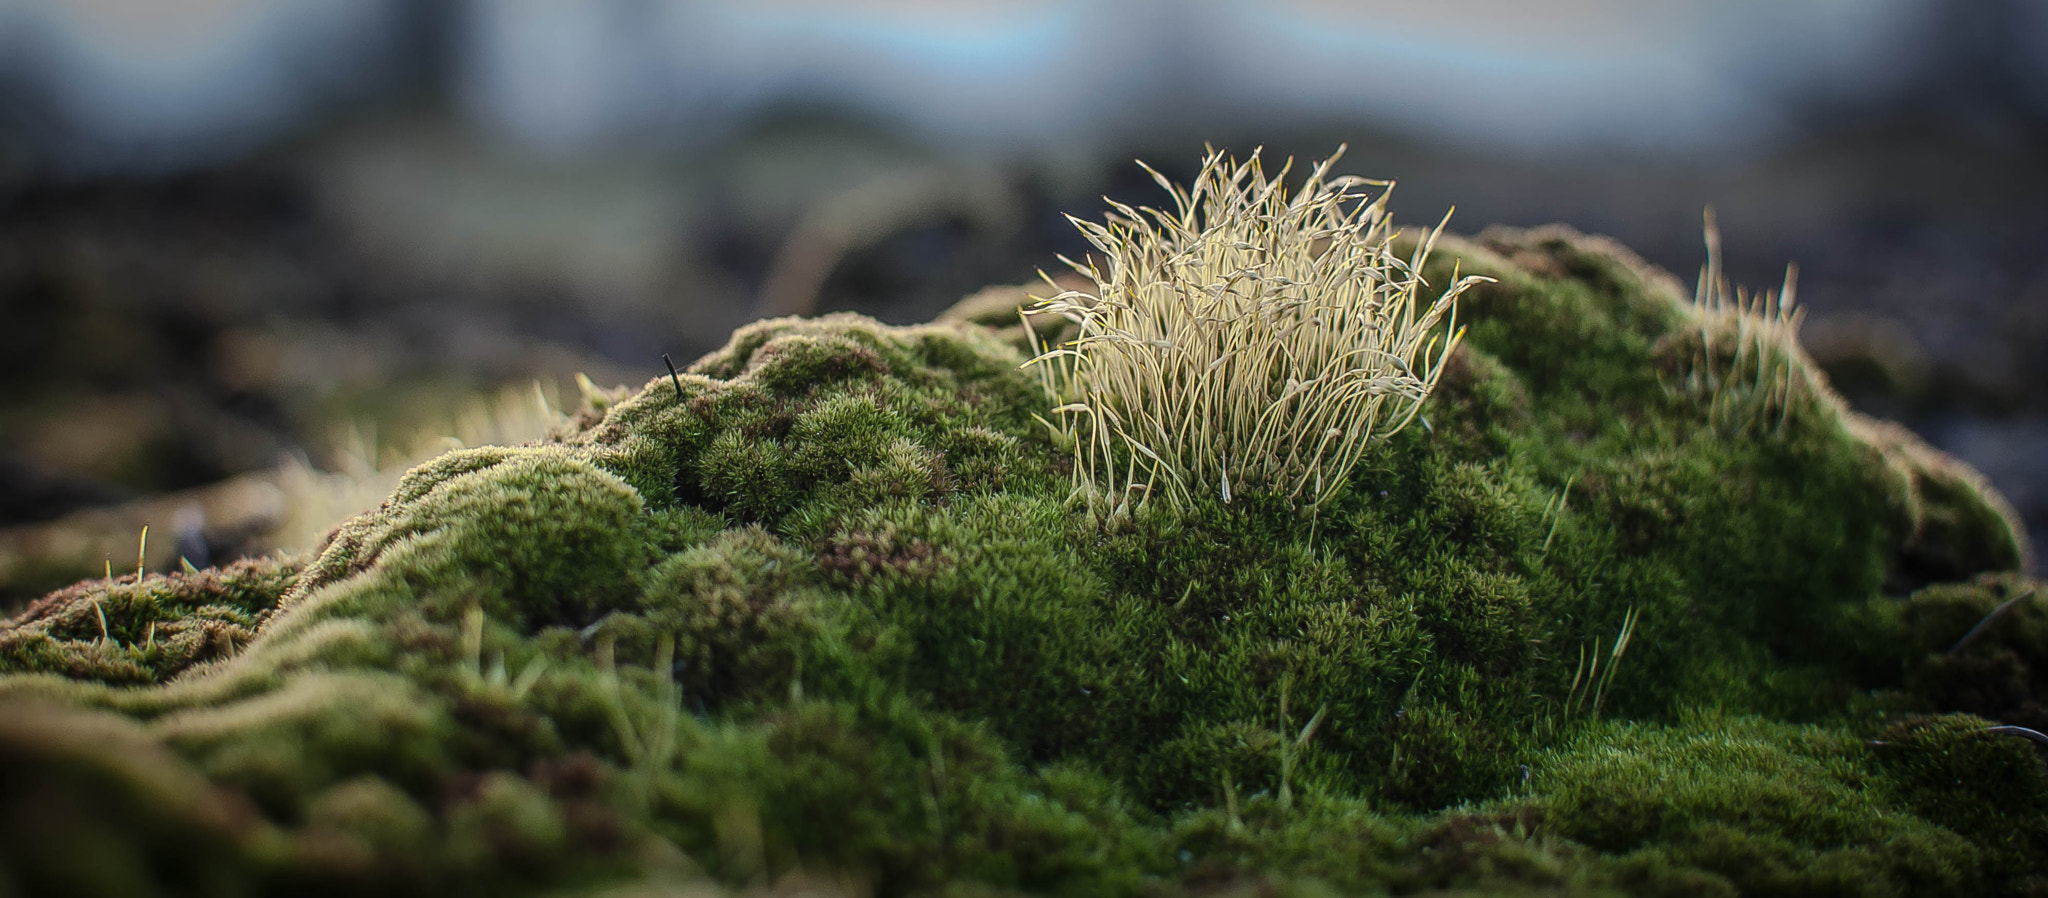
1644, 610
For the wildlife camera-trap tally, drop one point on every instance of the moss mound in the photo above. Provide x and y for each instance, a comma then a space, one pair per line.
820, 616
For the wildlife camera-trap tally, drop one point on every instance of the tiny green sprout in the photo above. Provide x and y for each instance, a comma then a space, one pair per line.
1291, 749
1554, 509
1589, 686
1252, 339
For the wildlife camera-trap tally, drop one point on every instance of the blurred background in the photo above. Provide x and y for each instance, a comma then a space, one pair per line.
257, 254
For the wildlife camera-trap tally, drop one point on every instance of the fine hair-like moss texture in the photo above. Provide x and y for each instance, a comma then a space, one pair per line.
817, 617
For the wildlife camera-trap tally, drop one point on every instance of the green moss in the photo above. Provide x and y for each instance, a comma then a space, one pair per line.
1765, 808
740, 610
1981, 648
1961, 773
820, 613
534, 536
132, 632
101, 807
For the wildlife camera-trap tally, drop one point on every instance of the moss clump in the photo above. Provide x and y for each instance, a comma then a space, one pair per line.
1963, 773
819, 613
129, 631
1742, 806
1982, 648
533, 536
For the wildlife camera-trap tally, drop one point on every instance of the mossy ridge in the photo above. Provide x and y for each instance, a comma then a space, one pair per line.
817, 610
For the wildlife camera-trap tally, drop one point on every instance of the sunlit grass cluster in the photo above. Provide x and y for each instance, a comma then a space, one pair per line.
1251, 339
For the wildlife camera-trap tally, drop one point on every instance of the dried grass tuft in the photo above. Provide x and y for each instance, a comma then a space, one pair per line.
1252, 339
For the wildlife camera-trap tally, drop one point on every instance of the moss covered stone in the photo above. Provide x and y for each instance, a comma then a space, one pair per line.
822, 614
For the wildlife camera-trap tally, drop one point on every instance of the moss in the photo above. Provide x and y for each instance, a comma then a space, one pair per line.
1982, 648
1760, 807
535, 536
820, 615
133, 632
739, 610
111, 811
1958, 524
1961, 773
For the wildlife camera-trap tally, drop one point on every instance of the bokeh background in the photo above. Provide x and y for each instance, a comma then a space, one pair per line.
256, 254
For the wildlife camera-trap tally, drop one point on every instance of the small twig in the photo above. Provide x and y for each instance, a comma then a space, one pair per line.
672, 377
1985, 623
2021, 732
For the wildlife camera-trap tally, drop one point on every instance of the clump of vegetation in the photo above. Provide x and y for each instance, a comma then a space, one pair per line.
821, 614
1748, 358
1277, 332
